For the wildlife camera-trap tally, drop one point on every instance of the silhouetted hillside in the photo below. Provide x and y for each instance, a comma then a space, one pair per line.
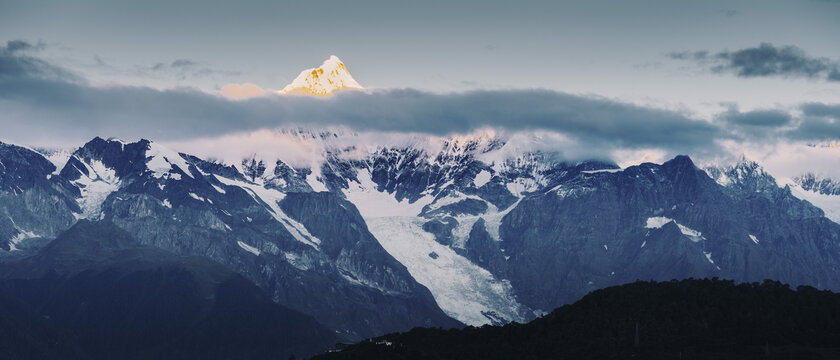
93, 293
689, 319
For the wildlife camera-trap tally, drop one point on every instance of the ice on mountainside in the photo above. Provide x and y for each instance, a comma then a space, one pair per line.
462, 289
95, 187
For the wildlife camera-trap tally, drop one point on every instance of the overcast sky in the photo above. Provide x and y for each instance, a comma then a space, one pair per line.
689, 73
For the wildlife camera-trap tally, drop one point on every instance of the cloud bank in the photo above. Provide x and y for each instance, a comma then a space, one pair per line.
766, 60
44, 105
37, 107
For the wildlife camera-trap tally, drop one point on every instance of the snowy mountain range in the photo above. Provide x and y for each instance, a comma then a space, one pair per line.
460, 230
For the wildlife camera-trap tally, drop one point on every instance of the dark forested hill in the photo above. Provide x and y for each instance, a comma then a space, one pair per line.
689, 319
94, 293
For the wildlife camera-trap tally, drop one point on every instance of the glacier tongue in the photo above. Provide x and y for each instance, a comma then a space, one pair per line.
100, 182
464, 290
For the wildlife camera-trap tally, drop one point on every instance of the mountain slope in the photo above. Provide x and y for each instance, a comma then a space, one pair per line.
193, 207
658, 222
116, 299
33, 204
371, 238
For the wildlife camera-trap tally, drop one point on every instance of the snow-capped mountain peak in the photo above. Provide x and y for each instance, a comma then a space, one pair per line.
330, 77
160, 160
745, 173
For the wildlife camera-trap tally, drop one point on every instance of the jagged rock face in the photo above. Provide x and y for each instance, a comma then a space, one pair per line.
556, 230
288, 179
825, 186
485, 251
748, 177
404, 236
658, 222
314, 255
33, 204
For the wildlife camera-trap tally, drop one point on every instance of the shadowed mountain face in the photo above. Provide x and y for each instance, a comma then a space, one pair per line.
659, 222
35, 204
94, 293
383, 239
315, 256
689, 319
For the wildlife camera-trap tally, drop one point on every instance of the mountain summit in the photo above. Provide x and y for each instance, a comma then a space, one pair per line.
331, 76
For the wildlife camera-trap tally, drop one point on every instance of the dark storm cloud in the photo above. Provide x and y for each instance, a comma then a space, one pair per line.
764, 61
819, 122
756, 118
822, 110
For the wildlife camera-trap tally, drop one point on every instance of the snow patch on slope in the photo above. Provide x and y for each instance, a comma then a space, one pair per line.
312, 180
372, 203
58, 158
611, 171
248, 248
482, 178
199, 198
271, 198
19, 238
160, 160
659, 221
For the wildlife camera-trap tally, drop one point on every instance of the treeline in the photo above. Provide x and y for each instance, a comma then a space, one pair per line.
688, 319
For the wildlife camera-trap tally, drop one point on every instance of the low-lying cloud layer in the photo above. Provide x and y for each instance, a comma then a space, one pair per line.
43, 104
38, 107
764, 61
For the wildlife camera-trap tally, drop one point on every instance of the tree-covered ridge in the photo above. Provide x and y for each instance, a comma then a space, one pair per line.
688, 319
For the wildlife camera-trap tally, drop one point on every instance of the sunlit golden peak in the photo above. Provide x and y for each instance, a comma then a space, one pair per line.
330, 77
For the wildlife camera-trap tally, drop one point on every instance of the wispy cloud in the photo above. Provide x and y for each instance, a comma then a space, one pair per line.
182, 69
765, 60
